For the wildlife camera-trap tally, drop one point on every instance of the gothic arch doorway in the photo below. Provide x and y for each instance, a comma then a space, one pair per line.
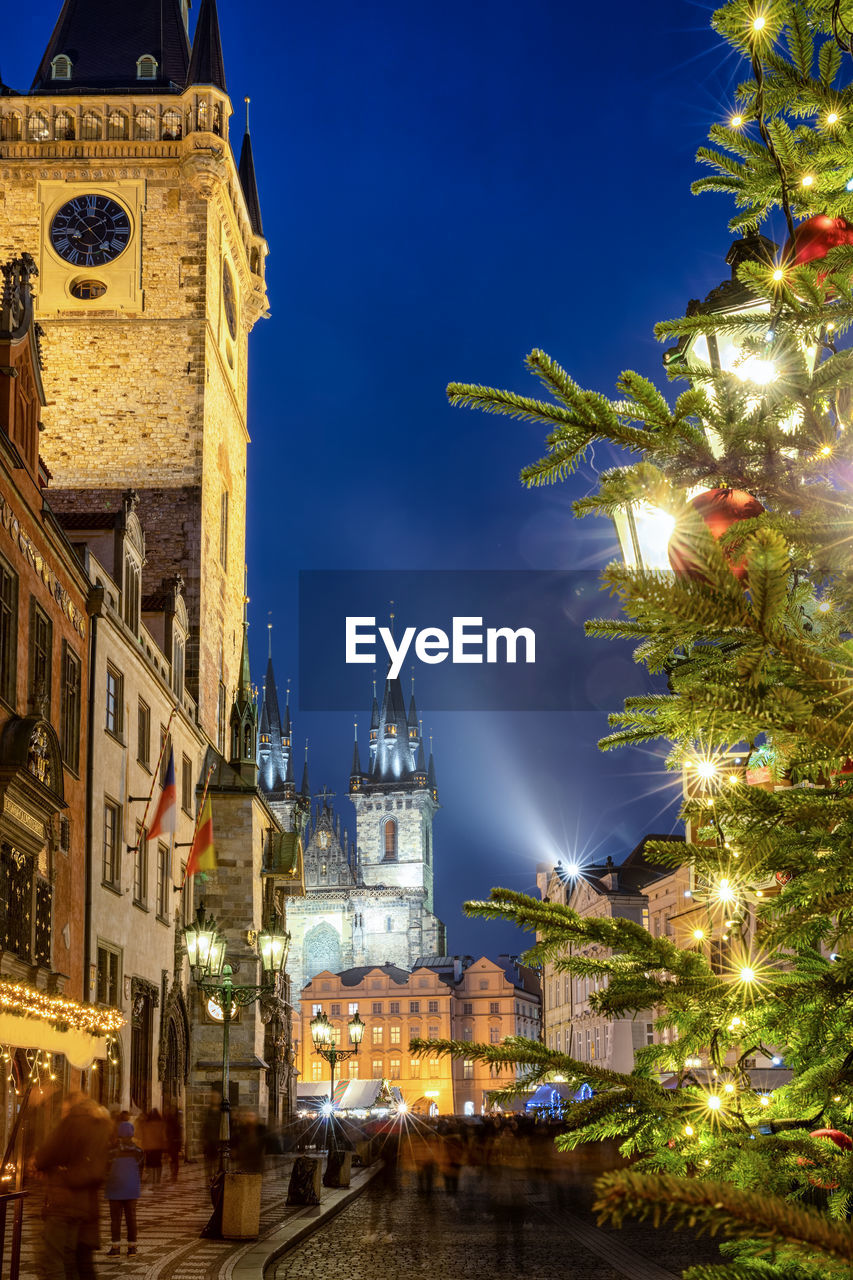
174, 1050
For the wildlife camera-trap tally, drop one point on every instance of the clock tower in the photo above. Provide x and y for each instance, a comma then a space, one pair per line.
118, 175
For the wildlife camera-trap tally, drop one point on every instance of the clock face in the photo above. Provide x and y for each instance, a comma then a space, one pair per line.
90, 230
229, 299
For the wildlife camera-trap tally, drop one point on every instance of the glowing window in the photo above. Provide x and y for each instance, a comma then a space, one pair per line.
37, 127
117, 126
64, 127
390, 840
172, 126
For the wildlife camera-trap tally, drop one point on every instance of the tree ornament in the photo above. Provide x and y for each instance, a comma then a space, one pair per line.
720, 509
784, 877
842, 1140
815, 237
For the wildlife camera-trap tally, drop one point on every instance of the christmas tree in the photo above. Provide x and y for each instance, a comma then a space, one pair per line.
749, 636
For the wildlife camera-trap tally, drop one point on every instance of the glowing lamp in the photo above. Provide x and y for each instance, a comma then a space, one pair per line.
644, 532
205, 946
273, 945
832, 117
322, 1032
356, 1030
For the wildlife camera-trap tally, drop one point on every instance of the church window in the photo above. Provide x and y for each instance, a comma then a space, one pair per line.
408, 804
131, 595
178, 666
223, 529
399, 804
321, 950
394, 1069
60, 67
375, 1035
323, 869
389, 925
146, 125
377, 1006
336, 1010
396, 1035
415, 1068
38, 130
87, 290
8, 632
90, 126
390, 841
172, 126
117, 126
64, 126
146, 67
10, 128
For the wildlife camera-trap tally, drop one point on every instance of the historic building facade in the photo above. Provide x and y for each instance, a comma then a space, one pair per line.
119, 179
368, 901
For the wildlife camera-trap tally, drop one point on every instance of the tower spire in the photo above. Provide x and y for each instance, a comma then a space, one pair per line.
248, 181
207, 65
306, 786
244, 710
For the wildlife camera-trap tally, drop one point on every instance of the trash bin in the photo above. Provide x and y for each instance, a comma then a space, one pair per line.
241, 1206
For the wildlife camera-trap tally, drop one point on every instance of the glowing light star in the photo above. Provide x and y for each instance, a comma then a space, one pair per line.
849, 184
688, 1129
832, 117
759, 22
698, 934
825, 451
736, 122
764, 1099
807, 180
402, 1107
713, 1102
706, 769
326, 1109
729, 1087
756, 369
779, 274
737, 1022
725, 892
747, 974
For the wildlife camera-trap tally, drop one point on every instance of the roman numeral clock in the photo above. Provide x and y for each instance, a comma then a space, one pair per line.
91, 246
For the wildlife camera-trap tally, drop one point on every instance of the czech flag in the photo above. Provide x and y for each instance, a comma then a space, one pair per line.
203, 854
167, 810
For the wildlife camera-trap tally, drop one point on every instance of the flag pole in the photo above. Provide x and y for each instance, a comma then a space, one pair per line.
199, 812
132, 848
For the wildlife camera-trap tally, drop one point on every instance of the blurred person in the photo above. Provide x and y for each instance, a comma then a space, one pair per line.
153, 1142
123, 1188
174, 1139
74, 1160
250, 1141
210, 1138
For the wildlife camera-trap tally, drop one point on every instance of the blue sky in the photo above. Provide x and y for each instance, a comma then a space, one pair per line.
443, 188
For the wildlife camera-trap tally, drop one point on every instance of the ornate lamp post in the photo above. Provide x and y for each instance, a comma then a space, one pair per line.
206, 954
322, 1033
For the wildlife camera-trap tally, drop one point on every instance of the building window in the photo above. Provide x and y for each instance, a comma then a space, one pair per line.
223, 529
432, 1006
353, 1068
10, 128
60, 67
394, 1069
377, 1006
435, 1067
69, 718
143, 733
165, 753
131, 596
390, 841
353, 1008
494, 1006
414, 1006
414, 1033
336, 1011
172, 126
38, 129
495, 1035
396, 1033
377, 1068
468, 1008
375, 1035
186, 897
316, 1071
90, 127
186, 784
468, 1068
115, 701
140, 867
164, 879
315, 1009
112, 835
433, 1033
394, 1006
108, 972
146, 67
40, 652
117, 127
467, 1033
146, 126
64, 126
415, 1068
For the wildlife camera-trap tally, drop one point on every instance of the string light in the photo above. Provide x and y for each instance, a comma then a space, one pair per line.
62, 1013
779, 274
807, 180
832, 117
849, 184
714, 1102
729, 1087
759, 22
698, 934
688, 1129
736, 122
747, 974
764, 1099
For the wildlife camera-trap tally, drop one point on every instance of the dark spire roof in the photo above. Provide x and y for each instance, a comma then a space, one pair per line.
105, 38
433, 785
374, 712
355, 772
421, 765
264, 726
249, 182
393, 760
413, 712
306, 787
274, 757
244, 718
207, 65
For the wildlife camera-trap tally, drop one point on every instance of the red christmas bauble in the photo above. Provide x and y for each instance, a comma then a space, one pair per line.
815, 237
784, 877
842, 1140
720, 509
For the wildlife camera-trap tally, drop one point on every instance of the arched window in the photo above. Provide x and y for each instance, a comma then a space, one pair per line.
64, 126
146, 67
146, 125
172, 127
37, 127
60, 67
217, 118
10, 128
117, 125
255, 261
201, 116
321, 950
91, 127
390, 841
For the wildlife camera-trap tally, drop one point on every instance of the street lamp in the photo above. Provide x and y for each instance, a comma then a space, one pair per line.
323, 1035
206, 953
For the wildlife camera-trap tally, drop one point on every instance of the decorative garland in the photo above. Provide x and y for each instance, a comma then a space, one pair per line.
59, 1011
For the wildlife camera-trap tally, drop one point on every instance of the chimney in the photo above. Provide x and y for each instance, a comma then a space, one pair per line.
457, 968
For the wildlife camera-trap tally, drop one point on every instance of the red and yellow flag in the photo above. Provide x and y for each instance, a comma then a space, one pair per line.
202, 854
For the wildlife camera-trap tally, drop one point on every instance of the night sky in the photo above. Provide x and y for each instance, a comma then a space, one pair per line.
444, 188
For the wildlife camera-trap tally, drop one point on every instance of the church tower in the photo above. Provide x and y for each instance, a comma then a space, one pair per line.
120, 179
275, 759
